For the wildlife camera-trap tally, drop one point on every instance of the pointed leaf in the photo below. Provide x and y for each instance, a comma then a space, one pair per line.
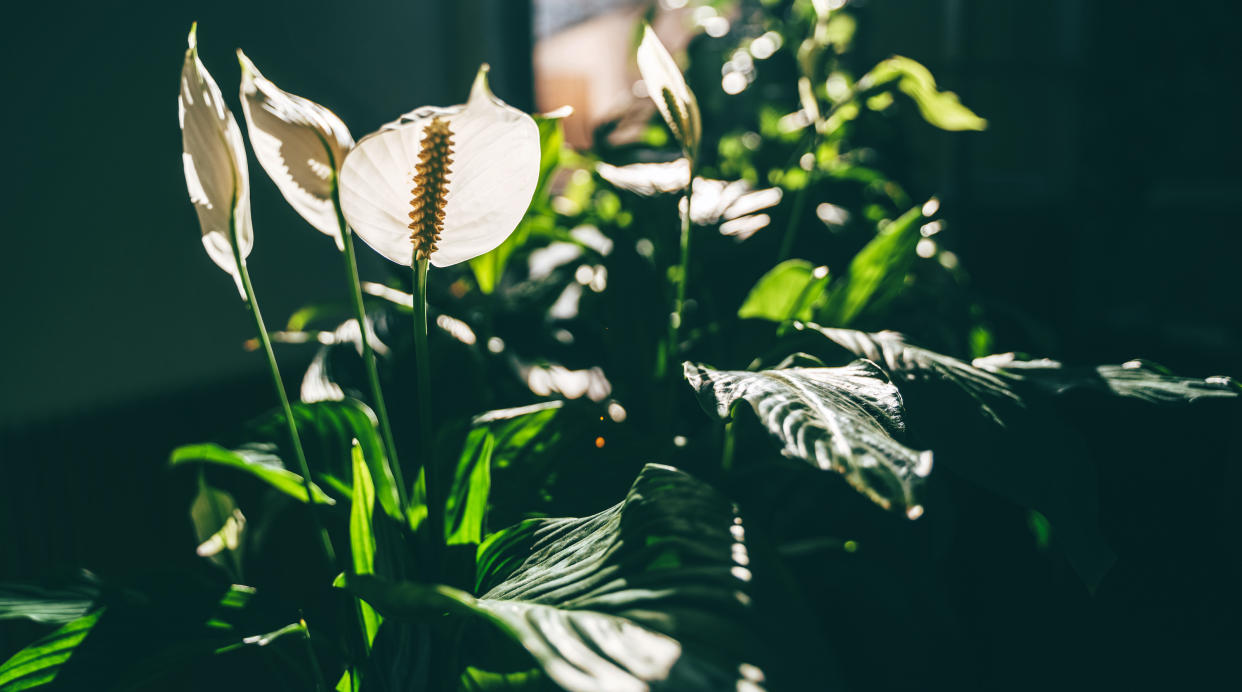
261, 464
939, 108
38, 664
361, 536
877, 273
1135, 379
788, 291
49, 604
836, 419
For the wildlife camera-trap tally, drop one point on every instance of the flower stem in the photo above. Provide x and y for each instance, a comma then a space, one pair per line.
435, 506
368, 354
671, 351
253, 304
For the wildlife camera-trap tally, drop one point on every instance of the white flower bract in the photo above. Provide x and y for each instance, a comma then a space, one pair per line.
491, 180
215, 164
299, 143
667, 88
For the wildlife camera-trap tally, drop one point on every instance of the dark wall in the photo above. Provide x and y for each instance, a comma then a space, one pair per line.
1099, 213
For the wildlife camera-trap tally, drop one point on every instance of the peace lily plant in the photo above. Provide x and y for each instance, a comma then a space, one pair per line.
472, 577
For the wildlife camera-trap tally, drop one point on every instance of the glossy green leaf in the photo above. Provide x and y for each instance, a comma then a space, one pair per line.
328, 430
939, 108
48, 604
489, 267
843, 419
1136, 379
653, 593
361, 535
788, 291
260, 463
466, 505
877, 273
38, 664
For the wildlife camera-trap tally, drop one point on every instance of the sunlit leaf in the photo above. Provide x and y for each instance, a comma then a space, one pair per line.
877, 273
788, 291
1135, 379
939, 108
466, 505
260, 463
48, 604
837, 419
218, 525
38, 664
361, 536
650, 594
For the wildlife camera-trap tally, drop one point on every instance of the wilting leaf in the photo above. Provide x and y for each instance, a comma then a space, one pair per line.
838, 419
48, 604
260, 463
877, 273
939, 108
788, 291
38, 664
650, 594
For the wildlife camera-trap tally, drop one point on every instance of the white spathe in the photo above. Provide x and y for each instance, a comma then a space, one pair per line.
215, 164
491, 180
661, 74
299, 143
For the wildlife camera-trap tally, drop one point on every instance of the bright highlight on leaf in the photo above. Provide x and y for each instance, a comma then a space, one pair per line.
939, 108
299, 143
214, 158
487, 184
667, 88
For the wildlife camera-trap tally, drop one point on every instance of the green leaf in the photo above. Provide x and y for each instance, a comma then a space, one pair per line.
218, 525
328, 430
38, 664
361, 536
836, 419
466, 506
939, 108
788, 291
650, 594
260, 463
49, 604
877, 273
489, 267
1136, 379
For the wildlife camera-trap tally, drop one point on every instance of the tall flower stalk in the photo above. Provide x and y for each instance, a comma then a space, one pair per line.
680, 110
219, 186
302, 145
436, 187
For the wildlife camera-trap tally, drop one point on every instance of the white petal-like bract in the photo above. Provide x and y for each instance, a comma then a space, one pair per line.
215, 164
490, 182
299, 143
667, 87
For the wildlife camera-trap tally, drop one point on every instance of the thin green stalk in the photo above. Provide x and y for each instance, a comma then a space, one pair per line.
368, 354
320, 684
253, 304
675, 320
422, 355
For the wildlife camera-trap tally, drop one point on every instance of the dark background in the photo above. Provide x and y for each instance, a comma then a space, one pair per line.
1098, 215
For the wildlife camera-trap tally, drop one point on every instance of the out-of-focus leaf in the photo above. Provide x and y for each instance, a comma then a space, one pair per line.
788, 291
48, 604
38, 664
361, 535
877, 273
1135, 379
836, 419
218, 525
260, 463
653, 593
490, 266
939, 108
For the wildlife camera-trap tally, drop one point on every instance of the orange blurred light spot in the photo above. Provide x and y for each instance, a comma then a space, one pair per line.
599, 442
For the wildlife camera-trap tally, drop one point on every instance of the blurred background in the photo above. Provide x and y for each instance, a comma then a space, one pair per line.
1098, 215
